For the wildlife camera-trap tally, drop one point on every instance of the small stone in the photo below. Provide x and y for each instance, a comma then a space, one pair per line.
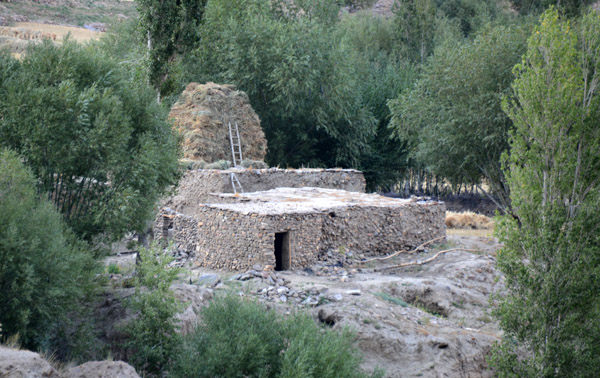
310, 301
283, 298
254, 273
208, 280
282, 290
353, 292
337, 297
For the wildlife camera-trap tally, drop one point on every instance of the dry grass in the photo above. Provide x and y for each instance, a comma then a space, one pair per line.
34, 30
468, 221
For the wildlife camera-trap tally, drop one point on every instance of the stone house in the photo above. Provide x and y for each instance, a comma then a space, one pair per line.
292, 228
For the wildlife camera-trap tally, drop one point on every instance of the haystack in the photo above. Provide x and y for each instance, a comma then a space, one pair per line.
202, 115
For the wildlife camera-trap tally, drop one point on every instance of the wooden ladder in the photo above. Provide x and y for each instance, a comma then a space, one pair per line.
235, 184
236, 155
236, 145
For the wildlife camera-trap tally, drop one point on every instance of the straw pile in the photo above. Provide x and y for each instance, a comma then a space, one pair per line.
468, 220
202, 114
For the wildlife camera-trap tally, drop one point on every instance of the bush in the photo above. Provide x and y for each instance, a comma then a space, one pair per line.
45, 272
97, 141
238, 338
152, 334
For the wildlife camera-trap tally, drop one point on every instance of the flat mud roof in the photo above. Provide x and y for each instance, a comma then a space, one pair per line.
304, 200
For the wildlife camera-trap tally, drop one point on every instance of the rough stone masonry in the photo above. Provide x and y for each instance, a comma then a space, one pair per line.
292, 228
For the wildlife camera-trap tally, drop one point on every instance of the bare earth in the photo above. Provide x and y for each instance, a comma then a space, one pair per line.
432, 320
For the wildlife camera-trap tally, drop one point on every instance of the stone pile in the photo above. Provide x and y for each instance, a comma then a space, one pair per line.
270, 286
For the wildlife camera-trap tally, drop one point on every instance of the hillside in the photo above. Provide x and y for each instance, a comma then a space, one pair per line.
28, 20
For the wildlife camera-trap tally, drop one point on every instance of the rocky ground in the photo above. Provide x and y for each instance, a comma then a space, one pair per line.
430, 320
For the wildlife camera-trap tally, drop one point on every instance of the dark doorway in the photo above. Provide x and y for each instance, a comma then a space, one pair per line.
283, 258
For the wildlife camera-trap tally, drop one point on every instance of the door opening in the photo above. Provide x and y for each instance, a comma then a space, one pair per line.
283, 257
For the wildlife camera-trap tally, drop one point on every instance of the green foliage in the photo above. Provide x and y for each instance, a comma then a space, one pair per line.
424, 24
568, 7
296, 73
550, 258
113, 269
372, 45
170, 27
152, 334
124, 43
45, 273
97, 141
392, 299
470, 15
238, 338
452, 120
416, 20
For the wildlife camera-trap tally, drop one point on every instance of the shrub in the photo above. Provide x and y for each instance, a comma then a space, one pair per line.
152, 334
238, 338
95, 139
45, 272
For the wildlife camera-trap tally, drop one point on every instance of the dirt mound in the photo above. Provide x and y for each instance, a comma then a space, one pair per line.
202, 114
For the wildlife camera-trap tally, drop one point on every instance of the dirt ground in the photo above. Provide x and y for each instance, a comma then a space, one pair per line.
430, 320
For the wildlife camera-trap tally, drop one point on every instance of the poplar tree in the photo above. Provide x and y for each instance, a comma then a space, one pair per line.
551, 257
170, 27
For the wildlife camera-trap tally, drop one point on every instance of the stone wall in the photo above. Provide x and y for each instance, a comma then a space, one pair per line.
196, 186
380, 230
178, 228
232, 240
235, 241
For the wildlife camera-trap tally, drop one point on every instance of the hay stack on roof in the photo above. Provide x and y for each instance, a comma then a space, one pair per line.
201, 115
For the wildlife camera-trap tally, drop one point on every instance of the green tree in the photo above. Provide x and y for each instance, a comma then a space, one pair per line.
372, 44
416, 21
45, 273
550, 259
296, 73
169, 27
453, 119
470, 15
97, 141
